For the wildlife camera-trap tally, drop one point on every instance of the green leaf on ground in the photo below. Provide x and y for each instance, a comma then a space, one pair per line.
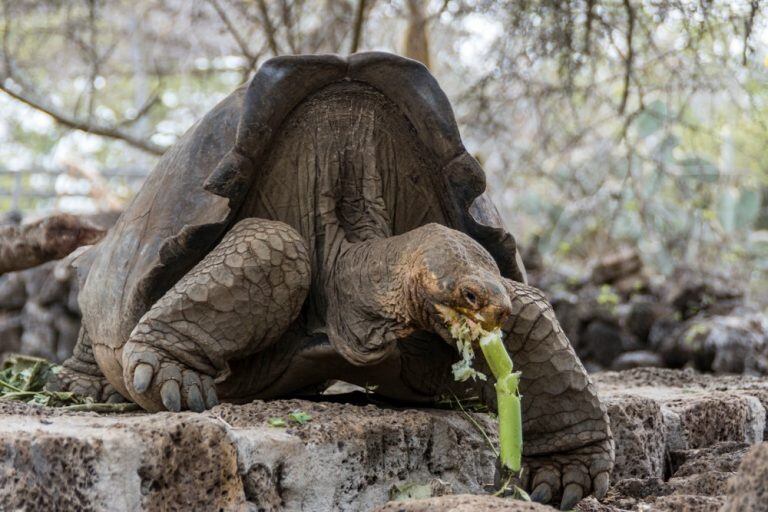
410, 491
23, 379
25, 373
276, 422
300, 417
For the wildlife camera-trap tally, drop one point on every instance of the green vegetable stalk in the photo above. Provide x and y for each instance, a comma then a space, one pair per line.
465, 332
507, 398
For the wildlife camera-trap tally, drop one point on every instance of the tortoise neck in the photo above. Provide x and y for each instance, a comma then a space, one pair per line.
368, 311
375, 274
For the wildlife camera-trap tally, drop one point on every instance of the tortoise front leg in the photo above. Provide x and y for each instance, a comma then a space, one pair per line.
567, 444
567, 440
238, 300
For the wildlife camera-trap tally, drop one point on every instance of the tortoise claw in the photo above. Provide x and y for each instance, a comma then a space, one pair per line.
542, 493
600, 485
191, 384
142, 377
571, 495
171, 395
158, 382
209, 390
115, 398
195, 399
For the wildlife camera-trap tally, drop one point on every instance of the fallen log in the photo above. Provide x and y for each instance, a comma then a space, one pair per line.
51, 238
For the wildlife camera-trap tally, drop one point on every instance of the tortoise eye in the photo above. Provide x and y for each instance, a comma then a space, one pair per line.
470, 296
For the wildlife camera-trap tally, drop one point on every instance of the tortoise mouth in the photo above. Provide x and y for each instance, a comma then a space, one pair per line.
453, 317
448, 320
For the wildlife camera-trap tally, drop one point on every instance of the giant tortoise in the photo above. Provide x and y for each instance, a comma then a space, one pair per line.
316, 225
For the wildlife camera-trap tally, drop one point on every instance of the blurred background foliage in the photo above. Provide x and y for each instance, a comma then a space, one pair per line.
602, 124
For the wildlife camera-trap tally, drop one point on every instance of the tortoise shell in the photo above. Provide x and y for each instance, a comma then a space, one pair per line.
338, 148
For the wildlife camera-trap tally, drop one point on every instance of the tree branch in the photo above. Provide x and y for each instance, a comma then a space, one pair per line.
85, 126
359, 21
287, 18
241, 43
588, 25
749, 24
268, 28
153, 100
416, 45
630, 55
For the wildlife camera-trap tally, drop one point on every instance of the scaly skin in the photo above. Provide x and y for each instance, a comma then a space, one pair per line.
383, 290
80, 374
567, 438
239, 299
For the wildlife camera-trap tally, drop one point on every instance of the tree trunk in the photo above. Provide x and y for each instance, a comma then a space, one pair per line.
416, 44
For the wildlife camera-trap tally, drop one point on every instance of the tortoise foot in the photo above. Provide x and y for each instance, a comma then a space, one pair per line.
81, 375
93, 386
570, 476
157, 381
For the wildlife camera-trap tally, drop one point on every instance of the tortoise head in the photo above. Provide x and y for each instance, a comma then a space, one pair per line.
455, 278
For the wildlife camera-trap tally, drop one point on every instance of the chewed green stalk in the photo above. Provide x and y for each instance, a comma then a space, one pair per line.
507, 399
510, 422
465, 332
462, 370
496, 354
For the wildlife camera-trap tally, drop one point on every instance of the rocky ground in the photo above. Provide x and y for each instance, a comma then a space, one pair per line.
619, 316
684, 441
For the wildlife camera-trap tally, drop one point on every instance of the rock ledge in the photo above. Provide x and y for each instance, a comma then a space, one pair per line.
346, 458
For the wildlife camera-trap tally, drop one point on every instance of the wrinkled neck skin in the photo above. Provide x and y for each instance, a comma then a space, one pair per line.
382, 273
372, 298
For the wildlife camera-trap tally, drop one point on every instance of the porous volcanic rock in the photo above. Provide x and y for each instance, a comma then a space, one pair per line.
637, 359
346, 458
55, 461
463, 503
748, 489
655, 411
680, 437
699, 484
